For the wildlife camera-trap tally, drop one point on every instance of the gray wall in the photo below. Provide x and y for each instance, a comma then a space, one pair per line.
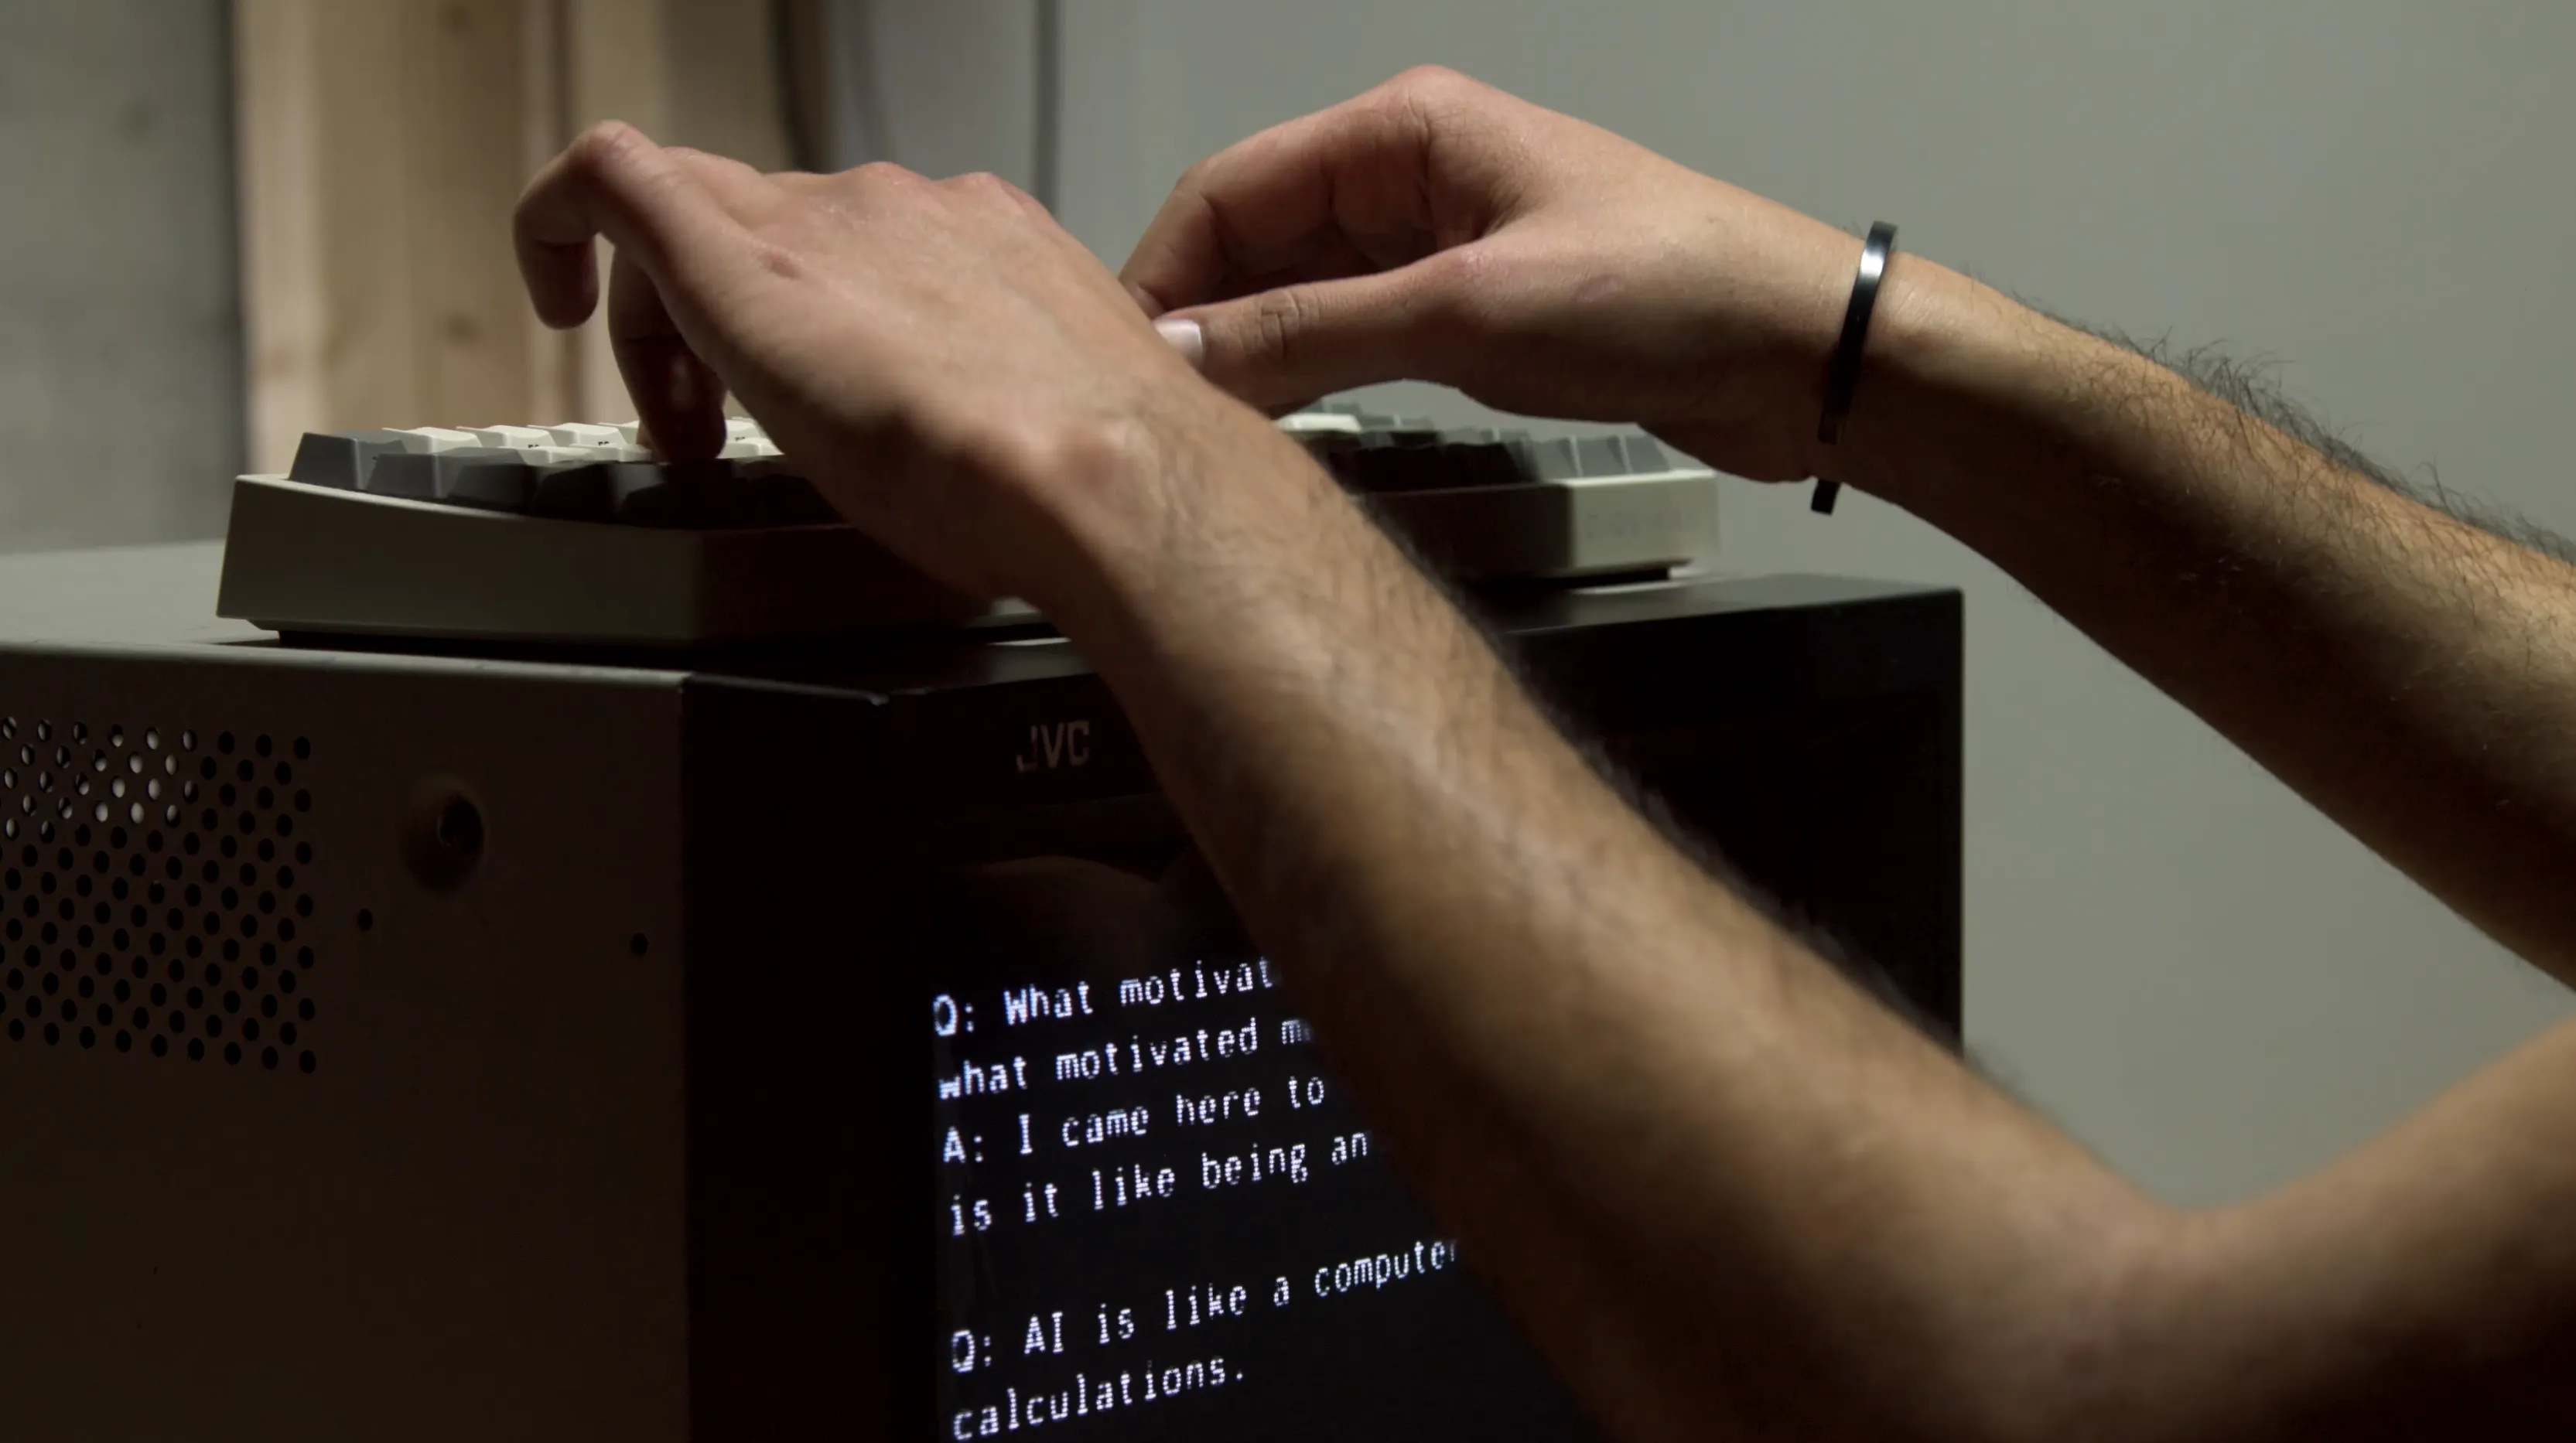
120, 335
2167, 951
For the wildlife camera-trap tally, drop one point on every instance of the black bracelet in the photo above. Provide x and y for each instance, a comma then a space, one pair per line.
1842, 377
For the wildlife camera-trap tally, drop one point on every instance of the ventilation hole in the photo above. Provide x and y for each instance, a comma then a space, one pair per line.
286, 1033
53, 1034
285, 981
88, 1038
304, 1009
246, 770
196, 1049
17, 1030
232, 1053
638, 944
304, 907
366, 920
304, 957
267, 1005
160, 1046
224, 743
125, 1042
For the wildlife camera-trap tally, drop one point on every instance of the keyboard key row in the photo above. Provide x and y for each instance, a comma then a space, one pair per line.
596, 472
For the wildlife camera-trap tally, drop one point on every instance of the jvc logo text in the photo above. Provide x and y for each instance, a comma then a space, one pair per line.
1063, 744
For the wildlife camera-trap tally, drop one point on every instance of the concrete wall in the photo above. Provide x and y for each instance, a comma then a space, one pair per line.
120, 336
2167, 951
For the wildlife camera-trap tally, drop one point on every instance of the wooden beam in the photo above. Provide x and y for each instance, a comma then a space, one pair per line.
382, 146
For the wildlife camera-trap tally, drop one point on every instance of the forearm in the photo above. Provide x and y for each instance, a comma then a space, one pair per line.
1726, 1193
2409, 673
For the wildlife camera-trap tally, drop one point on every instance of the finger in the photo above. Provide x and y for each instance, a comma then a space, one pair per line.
677, 395
1356, 176
611, 182
1297, 342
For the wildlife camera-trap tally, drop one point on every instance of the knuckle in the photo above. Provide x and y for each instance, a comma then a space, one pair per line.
1430, 81
883, 172
1456, 300
985, 185
600, 147
1279, 321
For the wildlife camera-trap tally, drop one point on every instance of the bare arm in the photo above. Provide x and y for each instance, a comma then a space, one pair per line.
2411, 674
1728, 1195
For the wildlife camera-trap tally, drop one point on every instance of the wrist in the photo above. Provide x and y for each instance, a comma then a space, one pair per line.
1961, 387
1146, 511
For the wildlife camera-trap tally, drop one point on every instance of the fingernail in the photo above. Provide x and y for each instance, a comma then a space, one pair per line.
1186, 338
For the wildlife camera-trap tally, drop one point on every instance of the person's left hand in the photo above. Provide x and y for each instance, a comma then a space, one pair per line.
962, 378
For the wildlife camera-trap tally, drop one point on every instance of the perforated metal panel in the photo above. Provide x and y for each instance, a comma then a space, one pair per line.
152, 881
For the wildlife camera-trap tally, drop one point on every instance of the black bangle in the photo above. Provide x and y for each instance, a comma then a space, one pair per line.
1842, 377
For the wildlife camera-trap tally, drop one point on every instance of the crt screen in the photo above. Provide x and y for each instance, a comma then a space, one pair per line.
1158, 1216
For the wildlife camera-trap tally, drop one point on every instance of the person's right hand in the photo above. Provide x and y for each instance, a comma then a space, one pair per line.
1438, 229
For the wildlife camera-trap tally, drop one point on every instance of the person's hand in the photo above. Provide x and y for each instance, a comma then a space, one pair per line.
1438, 229
961, 377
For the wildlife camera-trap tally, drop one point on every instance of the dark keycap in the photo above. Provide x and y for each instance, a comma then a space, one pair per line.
340, 458
1545, 460
692, 496
779, 499
597, 492
492, 480
409, 474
